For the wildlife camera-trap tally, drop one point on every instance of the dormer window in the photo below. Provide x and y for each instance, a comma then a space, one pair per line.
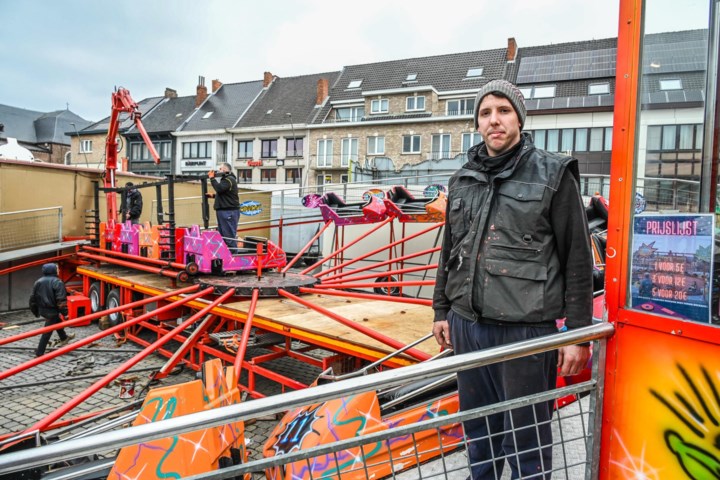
379, 106
415, 104
671, 84
474, 72
598, 88
355, 83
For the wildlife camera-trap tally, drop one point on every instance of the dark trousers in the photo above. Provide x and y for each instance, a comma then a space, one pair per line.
45, 337
227, 226
523, 436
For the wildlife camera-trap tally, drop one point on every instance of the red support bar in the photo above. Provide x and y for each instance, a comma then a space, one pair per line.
381, 264
93, 316
92, 338
417, 354
240, 356
377, 250
369, 296
34, 264
348, 245
388, 273
154, 261
306, 247
408, 283
95, 387
144, 268
190, 341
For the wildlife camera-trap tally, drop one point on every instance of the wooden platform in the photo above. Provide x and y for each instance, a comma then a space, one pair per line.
402, 322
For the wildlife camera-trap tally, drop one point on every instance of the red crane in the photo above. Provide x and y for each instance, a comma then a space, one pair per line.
121, 102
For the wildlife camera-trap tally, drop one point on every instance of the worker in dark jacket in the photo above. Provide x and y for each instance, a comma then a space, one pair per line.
515, 258
227, 204
49, 300
132, 204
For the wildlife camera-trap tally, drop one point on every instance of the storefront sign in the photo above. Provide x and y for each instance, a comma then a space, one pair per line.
195, 164
255, 163
250, 208
672, 265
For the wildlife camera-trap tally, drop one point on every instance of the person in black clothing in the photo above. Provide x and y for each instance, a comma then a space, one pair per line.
227, 204
515, 258
132, 204
49, 300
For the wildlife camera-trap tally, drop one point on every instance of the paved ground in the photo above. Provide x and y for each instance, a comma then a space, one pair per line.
29, 396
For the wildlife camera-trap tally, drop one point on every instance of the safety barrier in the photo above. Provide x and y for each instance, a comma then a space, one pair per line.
29, 228
574, 447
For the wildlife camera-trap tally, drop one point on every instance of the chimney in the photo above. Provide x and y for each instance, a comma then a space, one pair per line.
170, 93
511, 49
323, 87
216, 84
201, 92
267, 79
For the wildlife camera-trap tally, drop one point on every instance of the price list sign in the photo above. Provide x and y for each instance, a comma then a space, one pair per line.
671, 266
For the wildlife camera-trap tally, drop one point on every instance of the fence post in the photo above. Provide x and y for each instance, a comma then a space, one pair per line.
60, 226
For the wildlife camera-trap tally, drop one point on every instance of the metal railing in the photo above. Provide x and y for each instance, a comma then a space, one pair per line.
29, 228
568, 462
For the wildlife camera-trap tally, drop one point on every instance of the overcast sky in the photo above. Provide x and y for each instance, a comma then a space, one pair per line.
58, 53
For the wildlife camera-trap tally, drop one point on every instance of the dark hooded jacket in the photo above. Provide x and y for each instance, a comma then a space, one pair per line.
49, 298
226, 192
516, 247
133, 204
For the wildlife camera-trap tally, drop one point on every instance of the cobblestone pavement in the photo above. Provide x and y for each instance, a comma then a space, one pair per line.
29, 396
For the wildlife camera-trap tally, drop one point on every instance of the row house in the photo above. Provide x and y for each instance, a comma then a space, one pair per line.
414, 116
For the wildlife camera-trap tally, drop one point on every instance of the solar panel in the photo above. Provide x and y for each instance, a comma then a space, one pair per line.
686, 56
568, 66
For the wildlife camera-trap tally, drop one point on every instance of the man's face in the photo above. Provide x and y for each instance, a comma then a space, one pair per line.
498, 124
224, 169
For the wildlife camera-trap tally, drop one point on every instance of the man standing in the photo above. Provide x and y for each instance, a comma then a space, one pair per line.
227, 204
49, 300
132, 204
515, 258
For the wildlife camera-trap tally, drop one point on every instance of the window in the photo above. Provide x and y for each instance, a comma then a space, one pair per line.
671, 84
139, 151
538, 92
349, 114
674, 151
474, 72
596, 139
415, 104
411, 144
354, 84
349, 151
567, 140
379, 106
539, 139
440, 146
344, 178
85, 146
553, 140
608, 139
324, 153
376, 146
268, 148
245, 149
294, 147
244, 175
598, 88
164, 149
581, 137
207, 115
462, 106
268, 175
196, 150
469, 140
293, 175
324, 179
412, 77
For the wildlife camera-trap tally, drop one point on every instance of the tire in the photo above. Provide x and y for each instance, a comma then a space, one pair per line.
392, 291
113, 301
94, 295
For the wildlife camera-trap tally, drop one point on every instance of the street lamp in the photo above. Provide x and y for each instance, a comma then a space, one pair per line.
80, 150
292, 128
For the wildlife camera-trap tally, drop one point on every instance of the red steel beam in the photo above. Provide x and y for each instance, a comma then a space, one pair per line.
306, 247
94, 388
92, 338
379, 274
348, 245
406, 283
368, 296
144, 268
417, 354
154, 261
34, 264
378, 250
93, 316
381, 264
240, 356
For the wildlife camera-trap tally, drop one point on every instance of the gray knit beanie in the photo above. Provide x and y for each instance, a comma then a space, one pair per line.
504, 89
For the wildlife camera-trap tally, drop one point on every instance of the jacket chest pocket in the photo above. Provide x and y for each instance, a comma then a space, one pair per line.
514, 290
520, 207
456, 219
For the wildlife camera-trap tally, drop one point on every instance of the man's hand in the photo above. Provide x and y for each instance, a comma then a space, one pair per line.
441, 332
210, 195
572, 359
211, 174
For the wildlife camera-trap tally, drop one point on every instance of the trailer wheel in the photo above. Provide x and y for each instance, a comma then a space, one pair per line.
94, 294
113, 301
392, 291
